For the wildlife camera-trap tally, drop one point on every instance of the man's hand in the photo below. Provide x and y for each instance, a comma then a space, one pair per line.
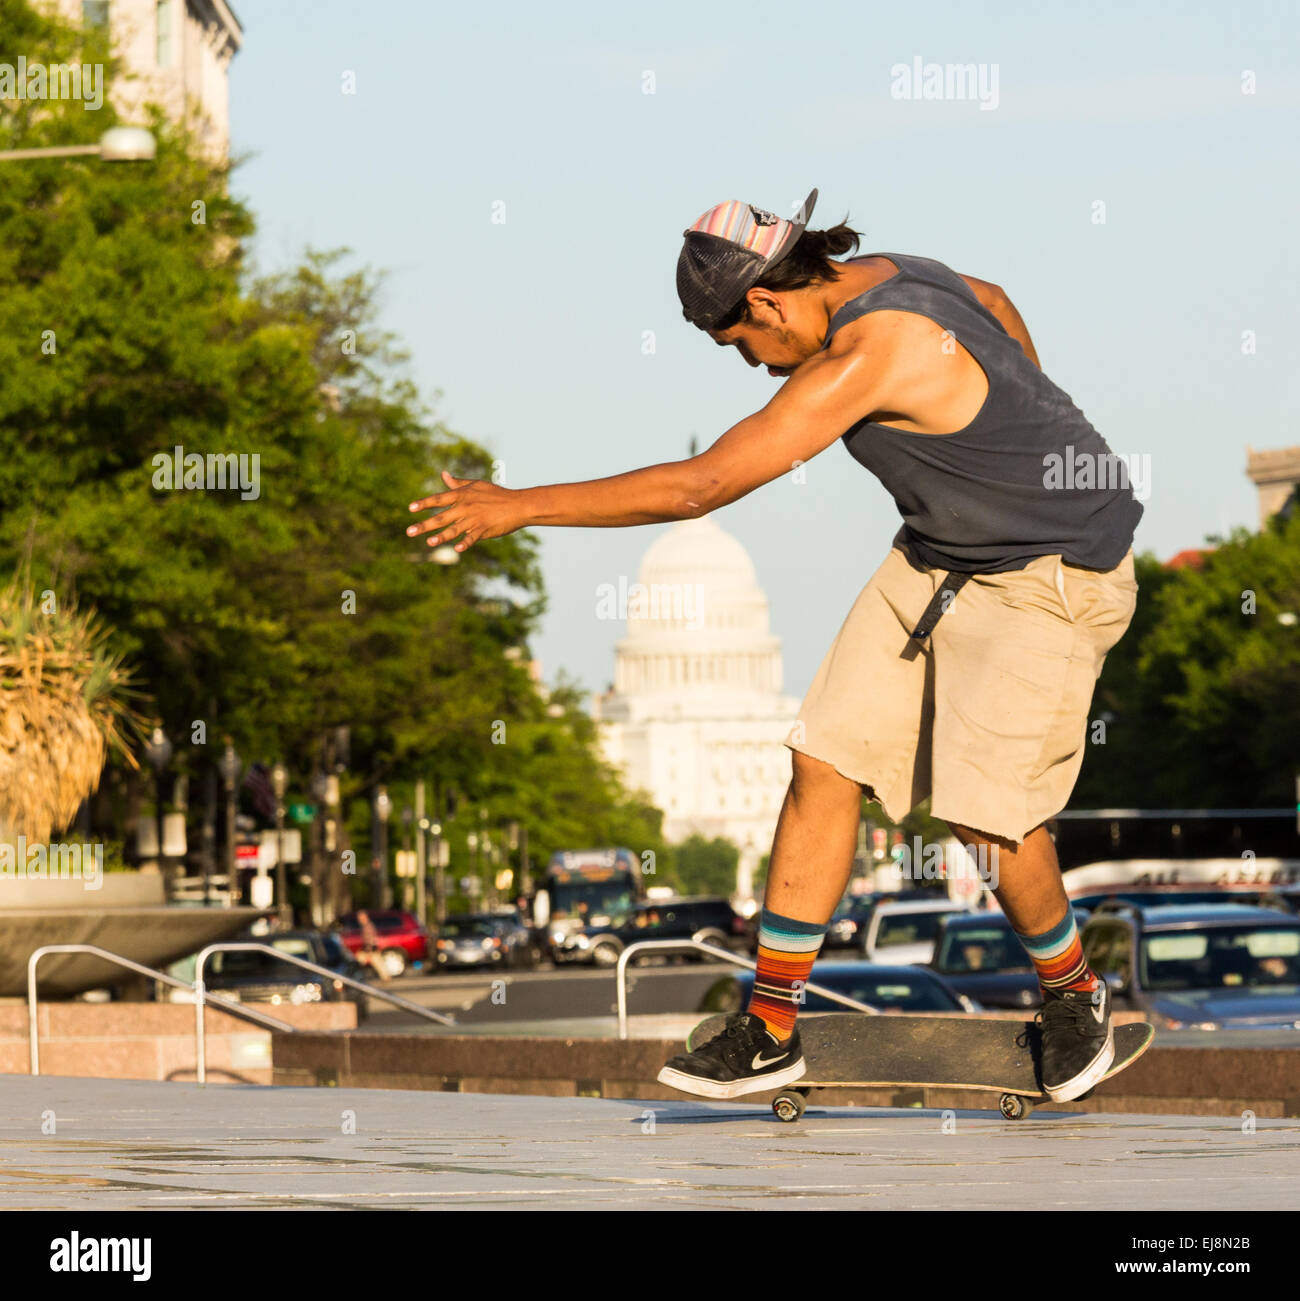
475, 508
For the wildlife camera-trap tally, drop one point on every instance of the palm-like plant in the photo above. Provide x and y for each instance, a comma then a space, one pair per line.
65, 703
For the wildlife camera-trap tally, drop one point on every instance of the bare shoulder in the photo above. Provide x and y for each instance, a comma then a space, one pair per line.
884, 335
986, 291
870, 365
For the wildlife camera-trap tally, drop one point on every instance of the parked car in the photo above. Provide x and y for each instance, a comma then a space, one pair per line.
1171, 894
849, 921
1206, 967
887, 988
483, 940
525, 941
255, 977
711, 920
403, 939
905, 932
979, 955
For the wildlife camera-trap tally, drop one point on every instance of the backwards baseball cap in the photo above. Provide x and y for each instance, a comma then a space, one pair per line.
727, 251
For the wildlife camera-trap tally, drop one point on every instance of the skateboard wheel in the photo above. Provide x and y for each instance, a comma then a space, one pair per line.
787, 1107
1013, 1106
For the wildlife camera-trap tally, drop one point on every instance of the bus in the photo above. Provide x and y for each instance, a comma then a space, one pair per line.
588, 887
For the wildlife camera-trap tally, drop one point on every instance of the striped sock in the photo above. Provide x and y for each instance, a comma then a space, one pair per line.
787, 950
1058, 958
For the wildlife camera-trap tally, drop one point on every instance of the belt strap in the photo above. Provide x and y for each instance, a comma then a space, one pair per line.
948, 589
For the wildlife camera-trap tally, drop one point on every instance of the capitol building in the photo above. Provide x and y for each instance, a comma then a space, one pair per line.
696, 717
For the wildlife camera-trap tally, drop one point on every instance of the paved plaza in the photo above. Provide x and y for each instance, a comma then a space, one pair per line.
108, 1144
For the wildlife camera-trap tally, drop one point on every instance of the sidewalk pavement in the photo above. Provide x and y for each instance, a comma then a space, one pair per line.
126, 1144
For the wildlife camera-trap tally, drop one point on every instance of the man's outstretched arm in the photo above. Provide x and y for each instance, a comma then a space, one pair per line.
823, 398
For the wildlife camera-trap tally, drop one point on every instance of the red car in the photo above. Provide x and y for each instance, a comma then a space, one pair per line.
402, 938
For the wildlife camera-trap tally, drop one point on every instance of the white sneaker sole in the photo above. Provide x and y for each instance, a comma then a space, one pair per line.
1082, 1082
737, 1088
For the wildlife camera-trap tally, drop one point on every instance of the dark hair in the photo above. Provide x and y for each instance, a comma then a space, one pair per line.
807, 263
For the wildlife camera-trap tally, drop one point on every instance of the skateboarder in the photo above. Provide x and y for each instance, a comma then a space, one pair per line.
965, 669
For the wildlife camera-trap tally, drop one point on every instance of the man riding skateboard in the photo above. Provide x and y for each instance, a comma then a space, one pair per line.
964, 671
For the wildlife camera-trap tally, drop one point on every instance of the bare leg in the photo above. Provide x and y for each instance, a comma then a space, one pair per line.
1029, 887
816, 835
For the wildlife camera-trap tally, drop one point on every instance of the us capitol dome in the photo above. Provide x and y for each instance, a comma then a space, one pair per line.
695, 716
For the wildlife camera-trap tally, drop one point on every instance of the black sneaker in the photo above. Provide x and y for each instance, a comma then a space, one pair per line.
1078, 1045
744, 1058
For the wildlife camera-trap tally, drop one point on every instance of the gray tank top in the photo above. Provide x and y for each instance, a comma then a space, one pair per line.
992, 496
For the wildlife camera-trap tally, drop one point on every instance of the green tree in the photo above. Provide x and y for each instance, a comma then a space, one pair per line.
1202, 695
1127, 751
707, 866
130, 327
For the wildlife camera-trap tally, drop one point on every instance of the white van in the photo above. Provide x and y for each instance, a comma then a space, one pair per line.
904, 933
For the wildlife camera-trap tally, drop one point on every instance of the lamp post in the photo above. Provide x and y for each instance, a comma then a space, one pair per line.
489, 874
408, 822
512, 841
383, 809
280, 784
446, 803
319, 788
158, 750
483, 843
120, 144
471, 844
439, 882
525, 877
421, 853
230, 766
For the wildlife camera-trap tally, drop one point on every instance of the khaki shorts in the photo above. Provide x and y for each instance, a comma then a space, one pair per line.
989, 718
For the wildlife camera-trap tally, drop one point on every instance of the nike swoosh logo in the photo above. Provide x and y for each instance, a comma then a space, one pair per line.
1099, 1012
758, 1063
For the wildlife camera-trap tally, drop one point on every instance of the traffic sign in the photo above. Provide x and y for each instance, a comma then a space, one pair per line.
301, 812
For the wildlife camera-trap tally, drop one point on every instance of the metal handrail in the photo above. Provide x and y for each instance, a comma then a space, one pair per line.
238, 946
235, 1009
727, 956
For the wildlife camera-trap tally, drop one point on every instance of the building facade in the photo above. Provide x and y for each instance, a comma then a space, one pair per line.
696, 716
174, 53
1276, 476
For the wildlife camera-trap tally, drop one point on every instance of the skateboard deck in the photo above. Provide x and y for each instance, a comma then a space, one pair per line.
956, 1052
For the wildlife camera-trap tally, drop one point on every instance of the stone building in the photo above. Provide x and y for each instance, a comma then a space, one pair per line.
174, 53
1276, 476
696, 716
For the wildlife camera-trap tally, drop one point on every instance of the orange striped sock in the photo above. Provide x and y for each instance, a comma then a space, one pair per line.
1058, 958
787, 950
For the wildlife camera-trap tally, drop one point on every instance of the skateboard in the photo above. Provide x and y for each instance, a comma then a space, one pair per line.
955, 1052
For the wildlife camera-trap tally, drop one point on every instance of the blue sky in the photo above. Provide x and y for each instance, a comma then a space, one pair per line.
531, 329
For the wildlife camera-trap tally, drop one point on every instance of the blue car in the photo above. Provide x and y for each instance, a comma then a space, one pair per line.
1204, 967
889, 989
979, 955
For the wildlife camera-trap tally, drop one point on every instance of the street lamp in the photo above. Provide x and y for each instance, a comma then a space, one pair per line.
439, 886
120, 144
518, 841
280, 784
230, 766
158, 750
485, 846
383, 808
408, 823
